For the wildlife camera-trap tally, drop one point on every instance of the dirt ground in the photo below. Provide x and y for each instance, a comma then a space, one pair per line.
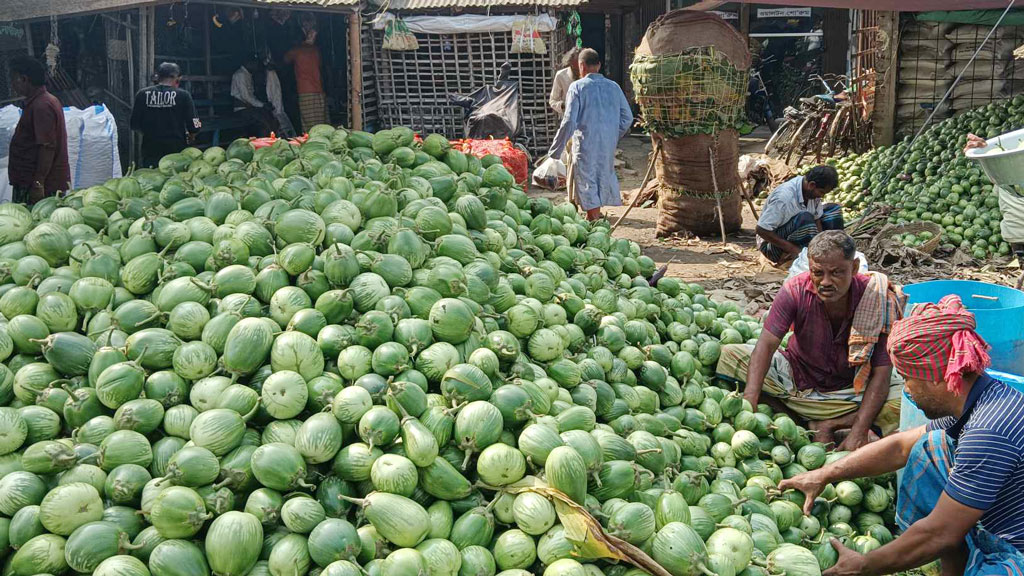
735, 270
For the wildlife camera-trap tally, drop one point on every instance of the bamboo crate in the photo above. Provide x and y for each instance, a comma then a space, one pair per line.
413, 86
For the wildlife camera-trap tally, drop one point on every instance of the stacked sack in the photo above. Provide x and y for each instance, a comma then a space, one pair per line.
684, 76
987, 78
926, 72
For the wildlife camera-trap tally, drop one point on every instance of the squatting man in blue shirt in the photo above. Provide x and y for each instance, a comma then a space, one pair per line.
961, 499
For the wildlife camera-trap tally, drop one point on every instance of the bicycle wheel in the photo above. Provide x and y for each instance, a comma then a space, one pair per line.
771, 148
859, 133
816, 142
863, 133
801, 136
837, 132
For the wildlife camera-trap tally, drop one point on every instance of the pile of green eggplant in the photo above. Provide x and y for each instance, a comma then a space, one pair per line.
359, 356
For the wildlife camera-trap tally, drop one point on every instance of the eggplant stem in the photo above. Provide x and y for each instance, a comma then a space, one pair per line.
252, 412
705, 570
141, 355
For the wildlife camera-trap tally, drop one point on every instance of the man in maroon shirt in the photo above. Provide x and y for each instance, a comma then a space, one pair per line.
39, 148
813, 377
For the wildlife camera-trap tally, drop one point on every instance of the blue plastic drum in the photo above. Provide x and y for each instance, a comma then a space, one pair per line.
998, 310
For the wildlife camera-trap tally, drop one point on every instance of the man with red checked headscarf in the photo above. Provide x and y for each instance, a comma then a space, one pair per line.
961, 500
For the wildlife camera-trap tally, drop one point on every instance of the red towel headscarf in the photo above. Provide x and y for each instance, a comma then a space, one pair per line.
937, 342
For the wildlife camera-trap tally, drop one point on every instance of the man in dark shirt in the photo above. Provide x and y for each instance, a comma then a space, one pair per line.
39, 148
166, 116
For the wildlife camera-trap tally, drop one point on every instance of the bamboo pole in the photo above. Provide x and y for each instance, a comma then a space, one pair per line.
355, 47
749, 197
718, 198
647, 178
570, 180
207, 56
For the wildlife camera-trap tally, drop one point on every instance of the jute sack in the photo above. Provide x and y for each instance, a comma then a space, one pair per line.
686, 162
675, 31
680, 212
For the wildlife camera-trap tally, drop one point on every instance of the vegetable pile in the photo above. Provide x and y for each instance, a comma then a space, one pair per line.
366, 356
935, 182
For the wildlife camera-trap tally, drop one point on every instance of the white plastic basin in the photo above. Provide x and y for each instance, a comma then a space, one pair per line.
1002, 159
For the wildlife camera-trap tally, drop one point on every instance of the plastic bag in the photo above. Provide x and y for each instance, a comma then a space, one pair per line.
550, 174
801, 265
398, 37
525, 37
92, 146
492, 111
9, 116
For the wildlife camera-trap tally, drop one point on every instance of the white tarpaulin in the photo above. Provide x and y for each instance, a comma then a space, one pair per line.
92, 146
464, 24
1012, 207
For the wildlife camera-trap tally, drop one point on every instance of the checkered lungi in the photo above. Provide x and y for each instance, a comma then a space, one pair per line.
801, 229
924, 479
809, 404
313, 109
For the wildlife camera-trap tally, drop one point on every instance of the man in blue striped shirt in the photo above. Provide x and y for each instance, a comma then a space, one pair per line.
961, 499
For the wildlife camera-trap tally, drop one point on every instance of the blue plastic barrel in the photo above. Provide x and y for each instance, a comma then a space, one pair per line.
910, 415
998, 310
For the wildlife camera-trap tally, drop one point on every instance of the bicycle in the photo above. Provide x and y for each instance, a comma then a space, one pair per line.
811, 135
827, 124
797, 122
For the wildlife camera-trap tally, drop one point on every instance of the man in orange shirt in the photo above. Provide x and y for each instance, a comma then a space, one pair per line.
305, 58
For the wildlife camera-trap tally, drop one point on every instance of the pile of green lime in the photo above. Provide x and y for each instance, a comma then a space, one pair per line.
914, 240
934, 181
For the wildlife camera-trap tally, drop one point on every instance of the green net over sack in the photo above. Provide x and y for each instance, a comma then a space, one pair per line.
698, 91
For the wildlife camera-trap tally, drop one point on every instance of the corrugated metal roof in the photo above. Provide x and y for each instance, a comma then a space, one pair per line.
440, 4
323, 3
14, 11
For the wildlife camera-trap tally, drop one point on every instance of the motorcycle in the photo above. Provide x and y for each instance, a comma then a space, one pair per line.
759, 106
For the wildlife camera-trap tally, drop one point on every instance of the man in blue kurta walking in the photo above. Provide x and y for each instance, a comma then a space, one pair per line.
596, 116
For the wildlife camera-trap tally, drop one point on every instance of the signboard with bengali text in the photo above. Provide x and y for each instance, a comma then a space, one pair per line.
784, 12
